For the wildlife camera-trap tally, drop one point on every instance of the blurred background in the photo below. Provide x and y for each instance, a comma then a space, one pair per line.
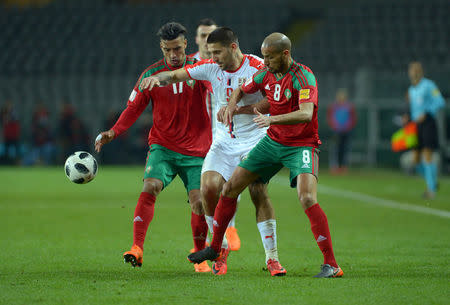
67, 68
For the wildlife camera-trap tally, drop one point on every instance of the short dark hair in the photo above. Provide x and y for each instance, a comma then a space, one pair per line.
222, 35
171, 31
206, 22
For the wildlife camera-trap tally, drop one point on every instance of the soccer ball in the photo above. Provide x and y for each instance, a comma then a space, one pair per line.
81, 167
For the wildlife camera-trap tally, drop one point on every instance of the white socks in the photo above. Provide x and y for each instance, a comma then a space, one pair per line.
232, 221
209, 222
268, 231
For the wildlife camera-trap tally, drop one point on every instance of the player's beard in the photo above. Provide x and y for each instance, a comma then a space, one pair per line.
226, 64
272, 70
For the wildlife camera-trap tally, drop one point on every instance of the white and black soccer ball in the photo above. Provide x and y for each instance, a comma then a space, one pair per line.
81, 167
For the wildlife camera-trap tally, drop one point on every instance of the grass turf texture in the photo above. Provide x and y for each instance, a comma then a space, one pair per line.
62, 243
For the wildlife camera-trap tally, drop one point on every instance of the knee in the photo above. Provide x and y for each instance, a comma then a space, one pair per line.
306, 199
209, 191
152, 186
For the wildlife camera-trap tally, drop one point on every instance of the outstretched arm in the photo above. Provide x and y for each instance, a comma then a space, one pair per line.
136, 104
164, 78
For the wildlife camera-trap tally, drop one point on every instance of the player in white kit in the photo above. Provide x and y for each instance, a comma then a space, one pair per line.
204, 28
226, 70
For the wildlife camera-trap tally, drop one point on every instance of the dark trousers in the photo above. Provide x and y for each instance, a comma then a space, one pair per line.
341, 149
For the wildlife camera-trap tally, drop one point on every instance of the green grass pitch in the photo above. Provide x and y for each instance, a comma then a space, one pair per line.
62, 243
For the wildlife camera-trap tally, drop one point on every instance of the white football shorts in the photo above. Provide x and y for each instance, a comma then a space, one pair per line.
226, 154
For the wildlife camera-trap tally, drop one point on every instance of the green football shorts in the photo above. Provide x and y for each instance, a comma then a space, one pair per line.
165, 164
268, 157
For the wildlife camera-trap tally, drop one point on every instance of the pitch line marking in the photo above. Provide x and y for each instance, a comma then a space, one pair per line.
368, 199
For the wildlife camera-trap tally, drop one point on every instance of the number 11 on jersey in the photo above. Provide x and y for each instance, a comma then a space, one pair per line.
179, 89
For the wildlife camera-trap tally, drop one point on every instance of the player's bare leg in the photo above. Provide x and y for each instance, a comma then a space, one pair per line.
307, 194
143, 215
225, 210
198, 226
210, 186
265, 220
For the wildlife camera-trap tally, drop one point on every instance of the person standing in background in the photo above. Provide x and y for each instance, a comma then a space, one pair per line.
341, 118
425, 100
42, 142
10, 152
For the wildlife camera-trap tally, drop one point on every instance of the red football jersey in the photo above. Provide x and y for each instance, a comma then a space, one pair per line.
180, 120
285, 95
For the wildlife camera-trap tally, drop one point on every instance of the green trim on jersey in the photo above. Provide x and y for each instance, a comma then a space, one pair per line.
306, 77
295, 81
190, 60
301, 78
151, 70
259, 76
310, 78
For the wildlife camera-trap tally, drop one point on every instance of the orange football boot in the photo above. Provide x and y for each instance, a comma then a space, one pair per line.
134, 256
219, 266
275, 268
202, 267
233, 238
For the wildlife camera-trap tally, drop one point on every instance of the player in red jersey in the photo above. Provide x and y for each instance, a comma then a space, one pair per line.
178, 141
292, 141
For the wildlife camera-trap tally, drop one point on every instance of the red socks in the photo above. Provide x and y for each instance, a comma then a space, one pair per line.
199, 231
224, 212
143, 215
321, 231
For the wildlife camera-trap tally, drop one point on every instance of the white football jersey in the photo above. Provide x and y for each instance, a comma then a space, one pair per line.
210, 104
196, 55
223, 83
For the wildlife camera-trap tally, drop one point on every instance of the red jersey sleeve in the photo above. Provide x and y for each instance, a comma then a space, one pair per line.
306, 86
308, 95
251, 86
136, 104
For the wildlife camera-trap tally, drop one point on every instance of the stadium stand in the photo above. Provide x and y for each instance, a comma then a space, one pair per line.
91, 52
